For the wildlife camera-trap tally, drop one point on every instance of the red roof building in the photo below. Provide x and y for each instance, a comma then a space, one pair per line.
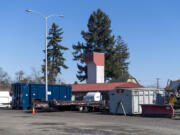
103, 86
79, 90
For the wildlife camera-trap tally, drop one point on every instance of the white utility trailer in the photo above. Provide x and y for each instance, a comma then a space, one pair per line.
128, 101
5, 99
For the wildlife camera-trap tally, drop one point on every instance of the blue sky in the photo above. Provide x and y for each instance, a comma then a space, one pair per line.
151, 28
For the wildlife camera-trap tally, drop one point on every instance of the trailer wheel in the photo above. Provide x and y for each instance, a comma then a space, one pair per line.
86, 109
80, 108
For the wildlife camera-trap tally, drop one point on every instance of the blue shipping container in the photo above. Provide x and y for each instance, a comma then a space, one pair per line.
23, 94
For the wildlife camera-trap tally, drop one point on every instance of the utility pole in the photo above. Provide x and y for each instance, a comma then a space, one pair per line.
157, 82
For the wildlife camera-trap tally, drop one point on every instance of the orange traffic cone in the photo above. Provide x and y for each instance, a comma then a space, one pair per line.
33, 111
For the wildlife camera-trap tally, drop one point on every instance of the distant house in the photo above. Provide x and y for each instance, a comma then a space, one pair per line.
79, 90
133, 80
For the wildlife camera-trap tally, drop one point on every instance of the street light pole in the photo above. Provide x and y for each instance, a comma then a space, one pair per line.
46, 59
46, 63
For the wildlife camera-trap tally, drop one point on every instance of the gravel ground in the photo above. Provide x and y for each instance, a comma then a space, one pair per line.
17, 122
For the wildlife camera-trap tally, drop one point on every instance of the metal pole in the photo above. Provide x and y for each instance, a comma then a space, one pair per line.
46, 61
157, 83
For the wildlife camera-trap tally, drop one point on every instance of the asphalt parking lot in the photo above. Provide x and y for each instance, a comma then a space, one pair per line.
17, 122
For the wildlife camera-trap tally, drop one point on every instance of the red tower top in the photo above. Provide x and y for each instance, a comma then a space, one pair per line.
96, 58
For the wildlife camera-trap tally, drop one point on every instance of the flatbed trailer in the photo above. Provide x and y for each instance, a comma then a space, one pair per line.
68, 105
81, 105
88, 106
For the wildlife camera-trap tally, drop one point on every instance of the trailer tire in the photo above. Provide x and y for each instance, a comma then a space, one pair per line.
86, 109
80, 108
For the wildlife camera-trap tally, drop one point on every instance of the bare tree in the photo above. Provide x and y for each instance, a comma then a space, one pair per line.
36, 76
21, 78
4, 79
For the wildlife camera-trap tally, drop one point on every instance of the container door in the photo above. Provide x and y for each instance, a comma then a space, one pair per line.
19, 101
53, 93
70, 92
19, 95
141, 101
37, 91
62, 93
135, 104
14, 96
41, 91
25, 97
34, 93
151, 97
66, 93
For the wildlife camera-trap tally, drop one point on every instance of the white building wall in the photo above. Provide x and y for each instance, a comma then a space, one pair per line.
95, 73
100, 74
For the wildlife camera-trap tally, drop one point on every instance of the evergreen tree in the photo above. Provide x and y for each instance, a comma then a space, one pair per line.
98, 38
120, 61
55, 54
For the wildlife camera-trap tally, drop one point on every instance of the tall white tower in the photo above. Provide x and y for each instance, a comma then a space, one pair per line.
95, 66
